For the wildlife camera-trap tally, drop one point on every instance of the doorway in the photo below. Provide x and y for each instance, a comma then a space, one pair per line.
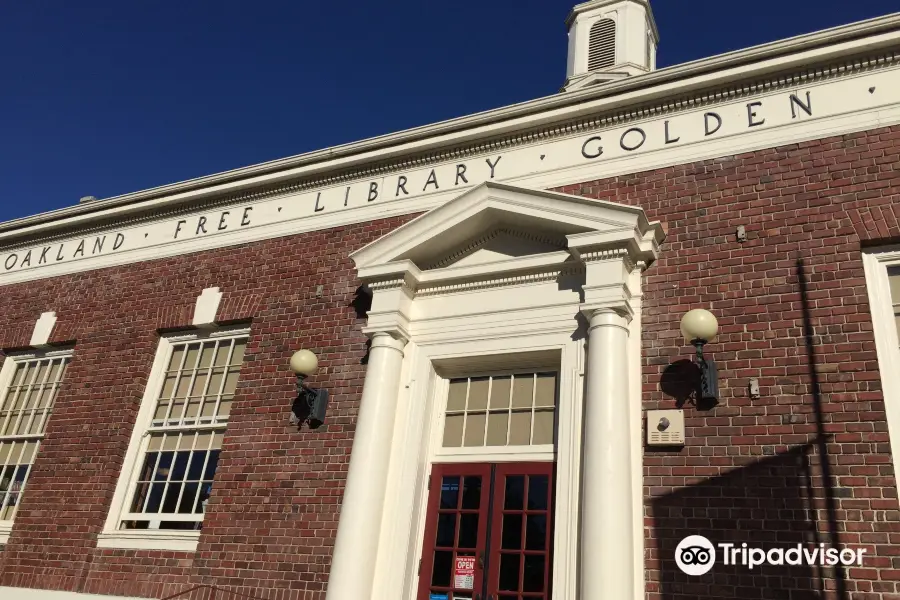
488, 532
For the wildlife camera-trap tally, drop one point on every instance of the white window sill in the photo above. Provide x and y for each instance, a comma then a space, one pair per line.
5, 530
179, 541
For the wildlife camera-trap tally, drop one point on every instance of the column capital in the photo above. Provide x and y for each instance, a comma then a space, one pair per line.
608, 316
630, 245
392, 336
616, 304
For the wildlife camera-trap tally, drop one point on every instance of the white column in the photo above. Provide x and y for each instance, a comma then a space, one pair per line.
355, 549
607, 526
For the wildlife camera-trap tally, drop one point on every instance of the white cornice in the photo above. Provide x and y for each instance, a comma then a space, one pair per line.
845, 101
483, 131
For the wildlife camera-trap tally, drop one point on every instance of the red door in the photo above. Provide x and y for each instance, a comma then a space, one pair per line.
488, 532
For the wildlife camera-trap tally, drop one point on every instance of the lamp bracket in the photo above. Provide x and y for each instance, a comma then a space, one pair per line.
698, 344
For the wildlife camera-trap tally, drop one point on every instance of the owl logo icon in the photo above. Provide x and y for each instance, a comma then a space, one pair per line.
695, 555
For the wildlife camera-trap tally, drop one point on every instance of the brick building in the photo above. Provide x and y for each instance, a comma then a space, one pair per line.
495, 305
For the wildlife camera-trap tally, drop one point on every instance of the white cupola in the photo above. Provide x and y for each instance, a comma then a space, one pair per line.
610, 40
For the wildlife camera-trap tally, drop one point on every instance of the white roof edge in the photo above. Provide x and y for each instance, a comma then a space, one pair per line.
833, 36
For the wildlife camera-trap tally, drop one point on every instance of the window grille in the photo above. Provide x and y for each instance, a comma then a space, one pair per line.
501, 410
180, 448
24, 411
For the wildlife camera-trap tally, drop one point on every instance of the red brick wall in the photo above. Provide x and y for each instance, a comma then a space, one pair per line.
272, 518
752, 470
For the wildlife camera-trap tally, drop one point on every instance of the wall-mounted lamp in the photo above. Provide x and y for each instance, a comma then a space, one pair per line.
699, 327
310, 404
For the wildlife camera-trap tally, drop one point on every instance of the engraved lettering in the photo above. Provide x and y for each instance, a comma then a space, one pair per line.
796, 102
432, 180
669, 139
752, 116
633, 147
461, 174
718, 119
592, 154
401, 185
494, 165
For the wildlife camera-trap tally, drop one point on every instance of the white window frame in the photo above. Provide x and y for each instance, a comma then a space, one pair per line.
149, 539
887, 345
463, 454
6, 376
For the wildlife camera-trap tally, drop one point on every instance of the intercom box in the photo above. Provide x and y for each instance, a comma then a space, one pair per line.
665, 427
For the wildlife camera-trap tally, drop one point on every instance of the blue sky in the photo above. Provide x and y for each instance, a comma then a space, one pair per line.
104, 98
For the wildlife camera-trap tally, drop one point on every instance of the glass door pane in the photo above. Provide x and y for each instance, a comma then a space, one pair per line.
455, 533
521, 532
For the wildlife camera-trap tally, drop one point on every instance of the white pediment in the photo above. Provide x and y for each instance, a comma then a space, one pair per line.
502, 224
499, 236
499, 245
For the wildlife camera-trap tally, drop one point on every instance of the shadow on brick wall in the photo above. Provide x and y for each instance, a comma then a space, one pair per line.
766, 504
770, 503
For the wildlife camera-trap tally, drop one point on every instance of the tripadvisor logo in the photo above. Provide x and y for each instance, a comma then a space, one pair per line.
696, 555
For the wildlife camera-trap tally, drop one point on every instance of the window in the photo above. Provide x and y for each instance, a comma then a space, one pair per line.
501, 410
25, 405
181, 434
882, 267
602, 45
894, 282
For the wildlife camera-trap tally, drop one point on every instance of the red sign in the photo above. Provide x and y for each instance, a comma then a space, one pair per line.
464, 573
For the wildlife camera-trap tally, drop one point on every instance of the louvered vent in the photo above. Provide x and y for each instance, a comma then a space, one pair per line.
602, 49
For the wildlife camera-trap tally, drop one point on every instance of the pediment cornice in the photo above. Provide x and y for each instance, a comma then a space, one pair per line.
600, 232
431, 238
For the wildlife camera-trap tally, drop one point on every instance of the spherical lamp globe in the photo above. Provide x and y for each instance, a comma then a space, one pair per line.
304, 363
699, 324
